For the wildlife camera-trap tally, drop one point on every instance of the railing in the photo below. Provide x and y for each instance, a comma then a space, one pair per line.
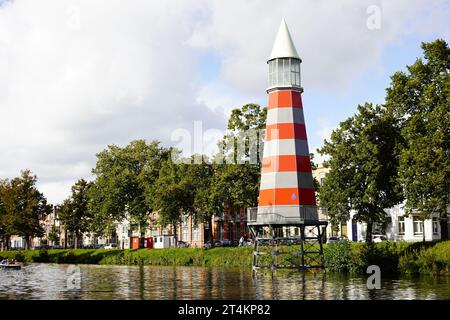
252, 214
305, 213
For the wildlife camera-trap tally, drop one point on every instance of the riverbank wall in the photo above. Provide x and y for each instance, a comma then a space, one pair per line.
343, 257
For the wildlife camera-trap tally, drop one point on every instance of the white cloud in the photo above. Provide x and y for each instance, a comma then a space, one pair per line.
68, 89
332, 38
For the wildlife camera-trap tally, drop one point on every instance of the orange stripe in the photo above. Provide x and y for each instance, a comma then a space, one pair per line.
286, 163
285, 131
285, 99
286, 196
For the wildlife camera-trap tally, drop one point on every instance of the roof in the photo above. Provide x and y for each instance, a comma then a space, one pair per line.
283, 46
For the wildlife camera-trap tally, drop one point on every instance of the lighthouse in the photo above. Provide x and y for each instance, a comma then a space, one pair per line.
287, 213
287, 188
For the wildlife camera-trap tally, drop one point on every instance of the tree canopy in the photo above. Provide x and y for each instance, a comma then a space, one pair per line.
124, 184
22, 208
74, 212
363, 168
419, 99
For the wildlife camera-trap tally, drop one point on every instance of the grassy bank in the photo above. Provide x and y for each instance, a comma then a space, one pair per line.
392, 257
217, 257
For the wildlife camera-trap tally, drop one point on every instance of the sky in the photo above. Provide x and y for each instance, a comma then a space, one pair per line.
77, 76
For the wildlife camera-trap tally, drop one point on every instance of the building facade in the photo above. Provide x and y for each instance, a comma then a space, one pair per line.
399, 225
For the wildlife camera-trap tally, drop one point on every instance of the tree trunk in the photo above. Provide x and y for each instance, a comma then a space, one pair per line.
444, 228
211, 231
142, 239
176, 235
8, 242
423, 230
65, 238
369, 232
76, 240
28, 242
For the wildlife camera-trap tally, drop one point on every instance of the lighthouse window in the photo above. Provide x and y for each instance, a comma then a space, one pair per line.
272, 73
295, 72
284, 72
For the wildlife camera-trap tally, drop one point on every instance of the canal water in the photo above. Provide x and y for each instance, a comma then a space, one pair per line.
56, 281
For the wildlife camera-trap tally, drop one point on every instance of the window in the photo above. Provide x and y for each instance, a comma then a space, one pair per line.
272, 73
284, 72
418, 226
185, 227
185, 234
295, 72
196, 233
401, 225
435, 226
343, 230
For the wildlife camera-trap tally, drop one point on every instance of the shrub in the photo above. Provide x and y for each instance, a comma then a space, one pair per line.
337, 256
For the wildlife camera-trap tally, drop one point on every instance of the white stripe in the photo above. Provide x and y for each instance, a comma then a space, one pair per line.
275, 180
291, 179
281, 147
285, 115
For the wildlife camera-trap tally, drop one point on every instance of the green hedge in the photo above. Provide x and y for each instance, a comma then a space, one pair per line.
342, 257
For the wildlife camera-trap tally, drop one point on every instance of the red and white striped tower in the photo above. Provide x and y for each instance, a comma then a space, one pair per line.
286, 179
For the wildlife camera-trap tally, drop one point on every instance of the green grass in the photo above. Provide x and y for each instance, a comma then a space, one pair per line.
392, 257
217, 257
433, 260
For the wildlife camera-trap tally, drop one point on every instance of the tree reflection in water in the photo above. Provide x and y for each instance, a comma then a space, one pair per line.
48, 281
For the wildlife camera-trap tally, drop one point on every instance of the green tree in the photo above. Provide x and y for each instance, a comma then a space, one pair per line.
74, 213
23, 207
243, 142
420, 101
5, 214
363, 168
53, 235
124, 184
236, 181
198, 179
173, 194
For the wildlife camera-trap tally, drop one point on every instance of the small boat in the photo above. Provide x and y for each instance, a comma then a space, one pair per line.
11, 266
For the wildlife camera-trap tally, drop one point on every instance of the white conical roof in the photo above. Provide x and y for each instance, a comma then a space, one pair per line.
283, 46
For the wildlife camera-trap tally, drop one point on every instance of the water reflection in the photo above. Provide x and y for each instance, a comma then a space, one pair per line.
49, 281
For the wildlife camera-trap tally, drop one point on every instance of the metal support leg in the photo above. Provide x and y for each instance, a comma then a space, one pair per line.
320, 238
302, 251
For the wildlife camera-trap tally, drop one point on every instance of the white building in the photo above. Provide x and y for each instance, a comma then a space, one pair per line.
399, 227
164, 241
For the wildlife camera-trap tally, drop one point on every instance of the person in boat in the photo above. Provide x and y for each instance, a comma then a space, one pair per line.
4, 261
